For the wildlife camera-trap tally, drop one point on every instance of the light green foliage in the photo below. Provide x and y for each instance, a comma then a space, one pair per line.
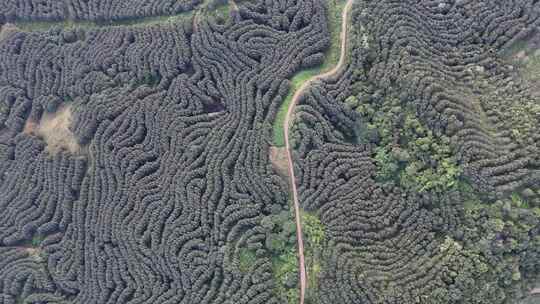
246, 259
423, 145
293, 296
523, 118
518, 201
387, 165
532, 67
147, 79
281, 243
314, 235
526, 58
285, 270
313, 229
218, 10
276, 242
286, 265
335, 9
280, 232
352, 102
36, 240
439, 179
296, 83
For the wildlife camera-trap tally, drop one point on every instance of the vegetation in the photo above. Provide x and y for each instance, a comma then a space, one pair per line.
522, 115
171, 121
532, 66
31, 26
406, 151
98, 11
411, 159
419, 163
313, 229
331, 58
246, 259
296, 82
285, 269
216, 10
281, 243
314, 235
36, 240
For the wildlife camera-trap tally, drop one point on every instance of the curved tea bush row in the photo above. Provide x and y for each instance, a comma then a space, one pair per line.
173, 178
424, 180
73, 63
441, 59
100, 10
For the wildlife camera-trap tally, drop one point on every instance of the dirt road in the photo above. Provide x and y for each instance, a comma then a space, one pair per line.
290, 112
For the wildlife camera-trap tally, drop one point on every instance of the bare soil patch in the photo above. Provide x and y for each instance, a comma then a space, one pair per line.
54, 129
278, 157
30, 127
6, 29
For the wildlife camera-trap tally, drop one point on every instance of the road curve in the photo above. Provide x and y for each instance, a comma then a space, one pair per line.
290, 112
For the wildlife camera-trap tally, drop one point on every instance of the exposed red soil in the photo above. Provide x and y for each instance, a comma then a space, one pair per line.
53, 128
278, 157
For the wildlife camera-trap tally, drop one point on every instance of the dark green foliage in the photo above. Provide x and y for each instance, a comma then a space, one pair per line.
167, 199
406, 151
409, 160
505, 235
417, 165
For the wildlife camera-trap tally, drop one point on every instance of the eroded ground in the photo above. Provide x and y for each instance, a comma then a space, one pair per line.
54, 129
6, 29
278, 157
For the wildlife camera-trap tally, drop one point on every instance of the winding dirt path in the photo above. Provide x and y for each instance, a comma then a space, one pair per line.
233, 4
288, 119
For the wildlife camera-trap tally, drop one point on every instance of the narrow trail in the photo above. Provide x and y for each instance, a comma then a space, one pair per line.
290, 113
140, 21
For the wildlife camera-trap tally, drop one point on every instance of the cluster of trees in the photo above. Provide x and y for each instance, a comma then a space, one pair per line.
96, 10
173, 178
443, 63
280, 242
406, 151
424, 196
